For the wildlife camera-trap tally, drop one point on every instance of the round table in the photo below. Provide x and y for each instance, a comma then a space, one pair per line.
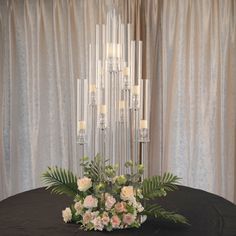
38, 213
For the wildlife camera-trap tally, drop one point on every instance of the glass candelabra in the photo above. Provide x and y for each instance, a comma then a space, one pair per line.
113, 102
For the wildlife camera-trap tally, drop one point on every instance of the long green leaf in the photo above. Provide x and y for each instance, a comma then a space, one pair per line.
60, 181
160, 213
157, 186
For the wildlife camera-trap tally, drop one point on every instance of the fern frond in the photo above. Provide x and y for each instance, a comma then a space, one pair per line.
60, 181
157, 186
160, 213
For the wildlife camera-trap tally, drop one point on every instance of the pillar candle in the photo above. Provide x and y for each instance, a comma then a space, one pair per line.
92, 88
103, 109
126, 71
122, 104
136, 90
143, 124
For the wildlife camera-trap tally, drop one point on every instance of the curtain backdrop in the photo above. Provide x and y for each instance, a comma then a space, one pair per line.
190, 56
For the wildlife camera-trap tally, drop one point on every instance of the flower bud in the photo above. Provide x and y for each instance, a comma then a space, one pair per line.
121, 180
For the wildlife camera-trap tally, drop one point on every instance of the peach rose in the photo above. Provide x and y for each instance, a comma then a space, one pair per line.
84, 184
127, 193
120, 207
87, 217
105, 220
115, 221
128, 219
90, 202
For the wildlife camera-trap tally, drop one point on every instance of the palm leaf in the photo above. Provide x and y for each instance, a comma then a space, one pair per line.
157, 186
60, 181
160, 213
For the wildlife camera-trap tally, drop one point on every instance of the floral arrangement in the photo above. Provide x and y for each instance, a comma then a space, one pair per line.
106, 201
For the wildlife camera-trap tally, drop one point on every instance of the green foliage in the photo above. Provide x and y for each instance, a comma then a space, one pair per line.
104, 179
136, 171
157, 186
94, 169
160, 213
60, 181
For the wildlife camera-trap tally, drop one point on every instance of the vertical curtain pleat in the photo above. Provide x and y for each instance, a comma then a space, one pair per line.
198, 92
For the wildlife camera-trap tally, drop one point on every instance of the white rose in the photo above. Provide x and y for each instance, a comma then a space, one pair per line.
67, 215
84, 184
127, 193
90, 202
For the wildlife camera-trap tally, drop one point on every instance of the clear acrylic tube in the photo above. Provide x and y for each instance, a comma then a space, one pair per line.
138, 60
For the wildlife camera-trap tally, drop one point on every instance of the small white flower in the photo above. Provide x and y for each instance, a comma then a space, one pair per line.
97, 222
133, 201
84, 184
140, 208
67, 215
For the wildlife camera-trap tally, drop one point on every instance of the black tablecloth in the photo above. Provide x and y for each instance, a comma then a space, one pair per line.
38, 213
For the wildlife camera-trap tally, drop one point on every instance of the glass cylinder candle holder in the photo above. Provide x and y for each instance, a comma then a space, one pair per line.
122, 111
112, 65
135, 97
81, 137
102, 121
144, 135
135, 101
81, 132
92, 94
143, 132
102, 117
126, 82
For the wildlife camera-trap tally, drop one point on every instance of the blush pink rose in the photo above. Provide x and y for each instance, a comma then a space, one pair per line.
115, 221
90, 202
120, 207
87, 217
78, 207
110, 201
128, 219
105, 219
97, 222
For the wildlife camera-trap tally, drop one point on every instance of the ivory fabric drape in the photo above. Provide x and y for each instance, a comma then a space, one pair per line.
190, 56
